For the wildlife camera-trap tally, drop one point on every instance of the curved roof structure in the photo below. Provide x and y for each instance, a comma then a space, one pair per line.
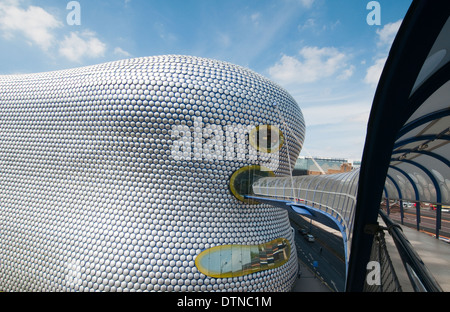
406, 154
419, 169
419, 166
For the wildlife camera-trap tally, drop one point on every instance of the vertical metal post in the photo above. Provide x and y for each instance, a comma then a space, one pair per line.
438, 219
418, 215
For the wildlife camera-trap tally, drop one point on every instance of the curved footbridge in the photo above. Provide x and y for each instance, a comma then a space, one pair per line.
327, 199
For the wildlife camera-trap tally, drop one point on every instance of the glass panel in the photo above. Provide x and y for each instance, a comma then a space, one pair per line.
238, 260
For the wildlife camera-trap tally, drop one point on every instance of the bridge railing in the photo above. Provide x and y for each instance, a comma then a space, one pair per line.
419, 276
335, 195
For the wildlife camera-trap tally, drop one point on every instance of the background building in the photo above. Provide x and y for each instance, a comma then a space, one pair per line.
307, 165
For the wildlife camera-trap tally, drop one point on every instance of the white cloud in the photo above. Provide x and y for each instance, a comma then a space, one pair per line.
77, 46
255, 18
309, 24
374, 72
337, 125
120, 52
223, 40
39, 28
386, 35
313, 64
307, 3
34, 23
336, 113
347, 73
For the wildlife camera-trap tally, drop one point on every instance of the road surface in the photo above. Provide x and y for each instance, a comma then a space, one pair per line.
324, 256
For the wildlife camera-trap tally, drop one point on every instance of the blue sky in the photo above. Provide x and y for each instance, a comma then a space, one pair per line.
322, 51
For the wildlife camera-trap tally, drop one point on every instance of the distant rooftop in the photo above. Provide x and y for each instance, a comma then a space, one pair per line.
317, 165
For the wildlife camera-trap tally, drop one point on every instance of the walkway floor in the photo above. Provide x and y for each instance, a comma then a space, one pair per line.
433, 252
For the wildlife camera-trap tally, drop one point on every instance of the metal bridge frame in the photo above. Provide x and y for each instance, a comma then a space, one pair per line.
394, 103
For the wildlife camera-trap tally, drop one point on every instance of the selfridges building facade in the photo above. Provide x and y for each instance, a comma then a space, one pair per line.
130, 175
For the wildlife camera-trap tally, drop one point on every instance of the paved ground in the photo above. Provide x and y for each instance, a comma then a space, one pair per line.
433, 252
309, 282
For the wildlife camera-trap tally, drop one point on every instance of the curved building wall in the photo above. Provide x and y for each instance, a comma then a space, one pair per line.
116, 177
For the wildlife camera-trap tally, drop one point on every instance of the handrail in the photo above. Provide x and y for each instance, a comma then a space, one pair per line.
420, 277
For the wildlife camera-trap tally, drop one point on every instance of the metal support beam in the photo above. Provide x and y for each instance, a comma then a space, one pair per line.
416, 192
399, 195
438, 192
